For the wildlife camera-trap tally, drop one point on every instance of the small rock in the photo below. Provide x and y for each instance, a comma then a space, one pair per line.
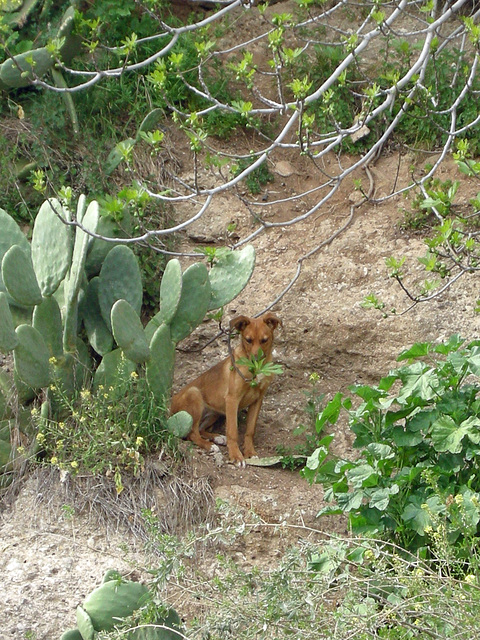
284, 169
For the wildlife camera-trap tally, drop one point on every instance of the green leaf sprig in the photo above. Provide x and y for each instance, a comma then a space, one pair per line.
257, 366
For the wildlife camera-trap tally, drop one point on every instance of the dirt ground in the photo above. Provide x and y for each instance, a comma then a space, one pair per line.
50, 560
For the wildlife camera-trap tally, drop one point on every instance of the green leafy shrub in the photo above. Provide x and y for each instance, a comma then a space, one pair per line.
427, 120
417, 475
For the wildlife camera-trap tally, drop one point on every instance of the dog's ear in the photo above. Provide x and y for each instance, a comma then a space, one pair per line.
239, 323
271, 320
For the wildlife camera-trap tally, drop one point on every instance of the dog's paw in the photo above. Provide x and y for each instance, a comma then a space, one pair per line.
221, 440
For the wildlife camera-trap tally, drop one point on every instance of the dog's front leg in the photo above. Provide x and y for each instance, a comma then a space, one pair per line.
231, 415
252, 417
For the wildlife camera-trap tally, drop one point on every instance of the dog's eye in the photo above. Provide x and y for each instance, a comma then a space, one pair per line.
249, 340
264, 340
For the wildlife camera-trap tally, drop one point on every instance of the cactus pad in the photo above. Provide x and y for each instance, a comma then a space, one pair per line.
113, 600
113, 372
98, 249
230, 275
180, 424
31, 357
11, 234
159, 369
99, 335
20, 71
8, 337
194, 301
51, 246
19, 277
128, 332
170, 290
71, 634
120, 279
47, 319
85, 625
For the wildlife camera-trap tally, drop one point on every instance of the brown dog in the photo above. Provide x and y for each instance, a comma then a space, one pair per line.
226, 388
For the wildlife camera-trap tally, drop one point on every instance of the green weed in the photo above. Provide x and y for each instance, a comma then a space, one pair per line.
258, 178
105, 432
293, 457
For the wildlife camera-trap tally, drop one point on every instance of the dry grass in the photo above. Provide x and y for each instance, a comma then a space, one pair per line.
178, 500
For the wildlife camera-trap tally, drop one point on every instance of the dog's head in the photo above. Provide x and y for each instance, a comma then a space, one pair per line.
256, 333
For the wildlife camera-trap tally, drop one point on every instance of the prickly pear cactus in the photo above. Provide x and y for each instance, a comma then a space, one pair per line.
11, 234
170, 290
113, 371
119, 279
23, 68
47, 319
115, 599
31, 357
19, 277
159, 368
20, 71
194, 301
99, 335
8, 337
52, 243
180, 424
128, 332
230, 275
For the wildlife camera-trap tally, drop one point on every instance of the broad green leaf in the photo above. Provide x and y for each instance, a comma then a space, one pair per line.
325, 474
316, 458
448, 436
380, 451
350, 501
417, 512
403, 438
386, 383
380, 498
421, 421
417, 350
366, 392
470, 508
420, 384
362, 475
367, 522
394, 416
452, 344
331, 412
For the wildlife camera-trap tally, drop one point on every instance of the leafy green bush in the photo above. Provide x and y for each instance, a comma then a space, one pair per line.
417, 476
427, 120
